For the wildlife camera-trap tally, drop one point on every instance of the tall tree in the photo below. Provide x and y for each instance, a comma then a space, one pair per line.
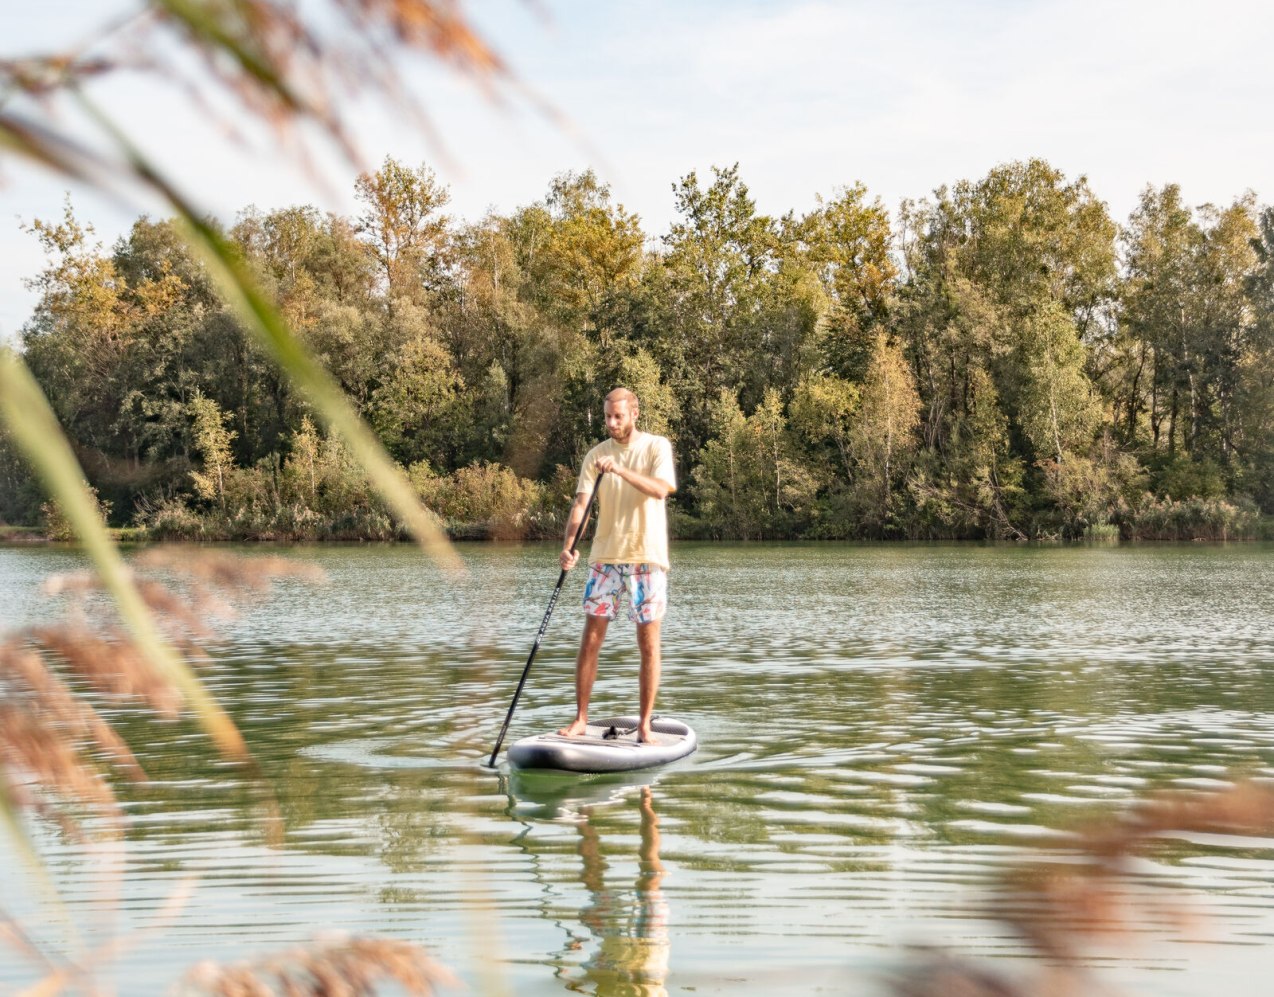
750, 479
1254, 418
883, 436
403, 223
721, 261
1186, 308
1006, 279
847, 242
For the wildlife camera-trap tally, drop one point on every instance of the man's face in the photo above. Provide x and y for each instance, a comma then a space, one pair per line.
621, 419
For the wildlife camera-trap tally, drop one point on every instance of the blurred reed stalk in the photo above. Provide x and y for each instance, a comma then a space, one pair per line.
270, 56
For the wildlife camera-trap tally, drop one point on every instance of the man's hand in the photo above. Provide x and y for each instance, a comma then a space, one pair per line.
654, 487
568, 559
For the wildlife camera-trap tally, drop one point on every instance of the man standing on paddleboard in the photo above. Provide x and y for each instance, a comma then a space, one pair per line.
629, 554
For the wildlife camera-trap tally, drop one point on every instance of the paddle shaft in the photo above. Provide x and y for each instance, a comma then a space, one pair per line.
544, 625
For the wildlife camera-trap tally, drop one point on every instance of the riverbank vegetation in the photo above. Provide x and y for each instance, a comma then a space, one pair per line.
999, 360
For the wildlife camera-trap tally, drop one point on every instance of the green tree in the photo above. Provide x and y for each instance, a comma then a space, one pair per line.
750, 479
1187, 314
79, 331
403, 223
1027, 235
972, 487
882, 437
505, 346
580, 256
847, 242
212, 442
1254, 409
588, 258
1050, 393
1161, 241
1007, 279
715, 332
414, 409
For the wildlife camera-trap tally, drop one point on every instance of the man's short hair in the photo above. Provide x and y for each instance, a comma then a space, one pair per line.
623, 395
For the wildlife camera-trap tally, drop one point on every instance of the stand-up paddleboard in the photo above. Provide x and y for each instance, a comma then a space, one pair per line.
609, 745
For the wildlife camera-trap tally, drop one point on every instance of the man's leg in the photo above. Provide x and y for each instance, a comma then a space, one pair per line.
648, 684
586, 671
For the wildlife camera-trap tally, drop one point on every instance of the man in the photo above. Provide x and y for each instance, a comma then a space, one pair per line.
630, 549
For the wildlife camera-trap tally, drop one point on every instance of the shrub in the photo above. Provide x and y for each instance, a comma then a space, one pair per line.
58, 527
481, 500
172, 519
1193, 519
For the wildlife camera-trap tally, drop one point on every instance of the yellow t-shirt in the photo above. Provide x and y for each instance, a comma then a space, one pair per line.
632, 528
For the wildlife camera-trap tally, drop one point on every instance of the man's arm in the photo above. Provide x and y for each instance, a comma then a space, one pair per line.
578, 510
654, 487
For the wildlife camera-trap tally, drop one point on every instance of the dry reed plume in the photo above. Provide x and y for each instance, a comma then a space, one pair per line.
274, 60
52, 739
331, 968
1060, 907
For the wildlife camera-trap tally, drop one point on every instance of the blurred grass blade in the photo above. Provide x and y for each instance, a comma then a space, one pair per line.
48, 149
262, 318
209, 29
35, 429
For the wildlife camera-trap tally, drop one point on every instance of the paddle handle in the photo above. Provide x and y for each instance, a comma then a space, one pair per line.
544, 625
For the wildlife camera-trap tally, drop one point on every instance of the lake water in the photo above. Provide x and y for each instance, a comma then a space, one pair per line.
885, 731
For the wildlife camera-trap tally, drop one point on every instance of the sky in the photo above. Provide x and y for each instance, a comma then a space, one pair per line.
806, 96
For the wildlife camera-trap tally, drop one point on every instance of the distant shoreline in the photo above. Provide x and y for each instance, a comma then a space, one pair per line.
36, 536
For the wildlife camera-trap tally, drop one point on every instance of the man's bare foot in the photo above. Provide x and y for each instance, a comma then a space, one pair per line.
645, 735
575, 729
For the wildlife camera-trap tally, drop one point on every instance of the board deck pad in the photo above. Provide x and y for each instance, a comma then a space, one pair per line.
595, 751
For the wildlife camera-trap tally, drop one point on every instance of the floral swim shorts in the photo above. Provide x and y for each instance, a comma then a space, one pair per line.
646, 585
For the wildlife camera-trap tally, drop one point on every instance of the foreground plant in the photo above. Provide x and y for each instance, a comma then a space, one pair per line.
58, 753
1064, 906
350, 967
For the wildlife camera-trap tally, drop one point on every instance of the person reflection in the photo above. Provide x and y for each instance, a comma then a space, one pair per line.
630, 932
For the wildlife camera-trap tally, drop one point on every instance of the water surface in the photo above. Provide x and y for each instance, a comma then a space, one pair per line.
884, 731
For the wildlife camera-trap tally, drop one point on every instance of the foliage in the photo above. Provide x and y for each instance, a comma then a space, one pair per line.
58, 526
1006, 364
1193, 519
212, 442
488, 498
750, 479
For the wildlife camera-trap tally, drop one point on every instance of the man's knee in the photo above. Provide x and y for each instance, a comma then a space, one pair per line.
648, 634
595, 627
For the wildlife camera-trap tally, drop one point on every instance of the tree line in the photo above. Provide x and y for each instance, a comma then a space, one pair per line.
1001, 359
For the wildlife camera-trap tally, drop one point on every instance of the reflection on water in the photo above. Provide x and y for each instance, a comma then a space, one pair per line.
622, 942
883, 731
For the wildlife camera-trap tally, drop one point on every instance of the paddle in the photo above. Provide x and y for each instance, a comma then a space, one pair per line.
544, 625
